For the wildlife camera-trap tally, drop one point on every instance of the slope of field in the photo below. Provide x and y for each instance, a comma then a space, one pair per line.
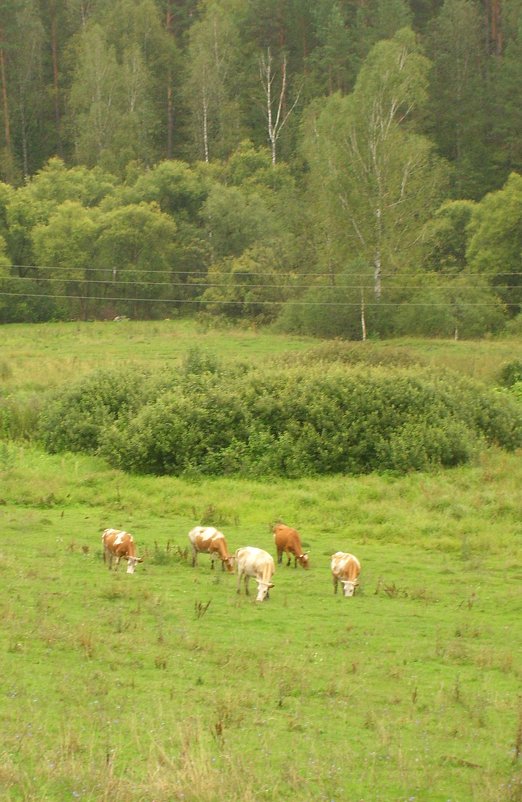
166, 685
38, 356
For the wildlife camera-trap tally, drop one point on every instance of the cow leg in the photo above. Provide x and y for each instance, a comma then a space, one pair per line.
247, 592
335, 584
194, 557
239, 576
279, 557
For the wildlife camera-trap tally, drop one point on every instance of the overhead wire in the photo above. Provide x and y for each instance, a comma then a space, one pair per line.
204, 271
235, 302
289, 286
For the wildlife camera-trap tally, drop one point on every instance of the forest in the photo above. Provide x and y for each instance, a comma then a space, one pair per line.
340, 168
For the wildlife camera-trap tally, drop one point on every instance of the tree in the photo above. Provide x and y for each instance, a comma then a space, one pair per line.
332, 68
374, 178
235, 220
64, 249
109, 102
375, 20
445, 238
142, 34
35, 202
278, 110
495, 243
134, 254
209, 90
459, 111
461, 306
507, 122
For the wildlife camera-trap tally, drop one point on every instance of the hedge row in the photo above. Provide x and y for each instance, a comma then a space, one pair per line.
301, 421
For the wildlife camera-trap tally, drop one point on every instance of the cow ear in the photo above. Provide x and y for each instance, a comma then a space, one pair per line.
271, 585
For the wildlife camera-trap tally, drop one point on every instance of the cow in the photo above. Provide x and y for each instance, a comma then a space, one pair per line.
259, 564
287, 540
208, 540
117, 543
345, 569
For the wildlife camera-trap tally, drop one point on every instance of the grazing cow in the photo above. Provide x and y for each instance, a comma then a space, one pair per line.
287, 540
208, 540
120, 544
345, 569
259, 564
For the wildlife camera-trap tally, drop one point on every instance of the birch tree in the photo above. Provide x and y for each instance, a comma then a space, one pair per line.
214, 112
374, 178
276, 97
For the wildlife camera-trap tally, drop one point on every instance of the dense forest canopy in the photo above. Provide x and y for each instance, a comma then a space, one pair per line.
343, 167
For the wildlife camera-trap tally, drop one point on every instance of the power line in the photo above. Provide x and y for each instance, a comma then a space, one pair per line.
204, 271
206, 284
234, 302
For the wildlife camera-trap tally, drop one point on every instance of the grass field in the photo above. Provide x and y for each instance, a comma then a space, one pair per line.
130, 688
39, 356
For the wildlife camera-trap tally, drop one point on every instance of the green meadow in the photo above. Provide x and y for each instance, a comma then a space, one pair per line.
167, 685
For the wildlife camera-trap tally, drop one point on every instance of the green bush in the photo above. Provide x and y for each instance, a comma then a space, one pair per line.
511, 373
301, 421
74, 419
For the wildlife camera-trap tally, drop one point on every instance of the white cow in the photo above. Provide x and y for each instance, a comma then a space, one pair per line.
345, 569
259, 564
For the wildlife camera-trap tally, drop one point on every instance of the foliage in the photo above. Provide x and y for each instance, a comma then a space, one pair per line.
511, 373
377, 179
286, 423
75, 419
446, 236
459, 306
495, 241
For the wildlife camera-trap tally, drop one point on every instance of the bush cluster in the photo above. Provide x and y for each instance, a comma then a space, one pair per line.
299, 421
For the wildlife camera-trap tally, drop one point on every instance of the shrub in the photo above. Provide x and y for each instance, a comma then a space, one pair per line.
301, 421
511, 373
73, 419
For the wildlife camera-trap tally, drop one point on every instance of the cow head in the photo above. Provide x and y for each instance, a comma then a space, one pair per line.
262, 591
304, 560
349, 586
132, 562
229, 564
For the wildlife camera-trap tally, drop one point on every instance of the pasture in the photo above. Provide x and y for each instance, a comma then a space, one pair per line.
166, 685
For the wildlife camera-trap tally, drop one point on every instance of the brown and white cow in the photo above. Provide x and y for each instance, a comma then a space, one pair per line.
118, 544
258, 564
345, 569
208, 540
287, 540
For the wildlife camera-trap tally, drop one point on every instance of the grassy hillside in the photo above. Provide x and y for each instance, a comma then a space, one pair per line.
38, 356
130, 689
123, 687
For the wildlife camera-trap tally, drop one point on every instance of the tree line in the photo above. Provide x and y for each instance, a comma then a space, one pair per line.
342, 167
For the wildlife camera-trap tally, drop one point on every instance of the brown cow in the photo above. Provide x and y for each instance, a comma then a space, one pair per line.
287, 540
207, 540
345, 569
117, 543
